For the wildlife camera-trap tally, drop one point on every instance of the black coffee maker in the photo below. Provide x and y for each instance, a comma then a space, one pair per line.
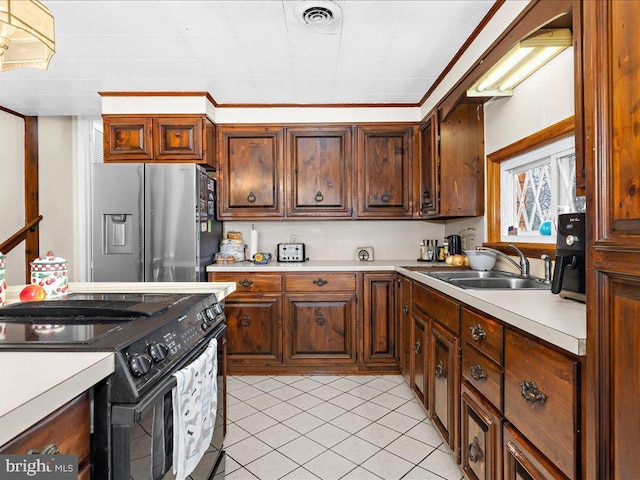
569, 272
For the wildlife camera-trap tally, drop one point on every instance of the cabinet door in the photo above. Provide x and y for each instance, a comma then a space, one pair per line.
444, 384
462, 162
429, 200
379, 319
319, 169
385, 176
254, 328
480, 437
179, 138
419, 337
403, 315
127, 139
250, 172
522, 461
320, 328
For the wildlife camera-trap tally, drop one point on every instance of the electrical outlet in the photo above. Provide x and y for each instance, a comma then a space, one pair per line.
294, 239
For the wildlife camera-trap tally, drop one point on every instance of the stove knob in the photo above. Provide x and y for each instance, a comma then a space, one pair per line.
205, 325
158, 351
210, 315
140, 364
217, 308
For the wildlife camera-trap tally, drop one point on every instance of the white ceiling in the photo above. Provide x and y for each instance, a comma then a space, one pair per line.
242, 52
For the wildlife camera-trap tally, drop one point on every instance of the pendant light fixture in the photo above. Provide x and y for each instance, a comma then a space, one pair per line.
26, 34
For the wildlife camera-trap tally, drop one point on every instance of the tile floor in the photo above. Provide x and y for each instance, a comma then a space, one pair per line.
331, 427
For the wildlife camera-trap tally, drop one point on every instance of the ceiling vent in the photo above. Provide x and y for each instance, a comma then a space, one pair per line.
317, 13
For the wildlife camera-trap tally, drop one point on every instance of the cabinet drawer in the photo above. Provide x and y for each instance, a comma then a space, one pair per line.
483, 374
541, 398
250, 282
66, 429
482, 332
437, 307
320, 282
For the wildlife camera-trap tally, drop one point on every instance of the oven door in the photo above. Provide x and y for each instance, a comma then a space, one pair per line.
142, 433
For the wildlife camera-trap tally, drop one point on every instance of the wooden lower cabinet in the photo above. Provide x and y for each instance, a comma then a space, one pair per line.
254, 328
404, 322
480, 436
320, 327
444, 384
420, 347
65, 431
379, 325
522, 461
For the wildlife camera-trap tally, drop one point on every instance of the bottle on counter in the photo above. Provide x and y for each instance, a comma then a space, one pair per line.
445, 248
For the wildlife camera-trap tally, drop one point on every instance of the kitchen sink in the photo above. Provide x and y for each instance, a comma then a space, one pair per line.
490, 280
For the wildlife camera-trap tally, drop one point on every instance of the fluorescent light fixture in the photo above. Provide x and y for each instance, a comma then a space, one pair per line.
26, 34
520, 62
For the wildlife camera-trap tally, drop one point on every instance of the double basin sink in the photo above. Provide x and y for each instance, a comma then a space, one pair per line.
489, 280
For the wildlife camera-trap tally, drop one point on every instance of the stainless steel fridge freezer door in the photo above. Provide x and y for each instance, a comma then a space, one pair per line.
171, 235
116, 223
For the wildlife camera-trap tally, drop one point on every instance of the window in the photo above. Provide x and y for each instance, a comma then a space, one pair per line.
535, 188
530, 182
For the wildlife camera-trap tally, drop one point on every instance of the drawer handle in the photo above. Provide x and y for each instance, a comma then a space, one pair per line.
251, 198
245, 321
439, 371
51, 449
477, 373
246, 283
405, 309
386, 197
416, 346
531, 393
478, 333
320, 320
320, 282
474, 450
319, 197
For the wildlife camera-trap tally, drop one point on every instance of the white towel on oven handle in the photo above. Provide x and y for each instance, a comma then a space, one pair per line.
195, 398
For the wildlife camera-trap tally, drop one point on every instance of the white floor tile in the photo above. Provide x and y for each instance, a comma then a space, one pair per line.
324, 379
398, 422
402, 391
326, 392
231, 400
240, 474
251, 379
355, 449
329, 466
378, 435
419, 473
234, 435
303, 422
248, 450
413, 409
361, 379
282, 411
268, 385
347, 401
272, 466
305, 401
360, 473
397, 379
289, 379
256, 423
278, 435
285, 393
306, 384
351, 422
426, 434
442, 464
300, 474
387, 466
344, 384
264, 401
301, 450
410, 449
327, 435
389, 401
234, 383
326, 411
381, 384
371, 411
230, 465
245, 393
365, 392
239, 411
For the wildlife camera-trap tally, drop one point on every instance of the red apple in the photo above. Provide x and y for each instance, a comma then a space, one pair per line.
32, 293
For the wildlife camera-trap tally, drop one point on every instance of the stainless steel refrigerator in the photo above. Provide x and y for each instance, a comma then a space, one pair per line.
153, 223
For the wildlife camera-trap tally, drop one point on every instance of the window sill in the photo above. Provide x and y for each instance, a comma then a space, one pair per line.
532, 250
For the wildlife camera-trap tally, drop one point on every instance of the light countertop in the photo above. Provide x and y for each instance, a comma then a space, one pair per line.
34, 384
561, 322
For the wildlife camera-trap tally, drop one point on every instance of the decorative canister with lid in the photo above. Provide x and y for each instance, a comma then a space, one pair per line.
50, 272
3, 282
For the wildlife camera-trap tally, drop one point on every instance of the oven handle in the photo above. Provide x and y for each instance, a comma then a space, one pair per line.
128, 414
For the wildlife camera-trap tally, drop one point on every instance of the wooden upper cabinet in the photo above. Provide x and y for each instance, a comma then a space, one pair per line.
156, 138
319, 169
250, 172
385, 171
452, 164
127, 139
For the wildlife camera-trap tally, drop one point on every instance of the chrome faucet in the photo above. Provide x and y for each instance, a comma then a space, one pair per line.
524, 263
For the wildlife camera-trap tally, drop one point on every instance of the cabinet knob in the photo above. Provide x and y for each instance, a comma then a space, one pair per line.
245, 321
251, 198
246, 283
416, 346
320, 320
439, 370
473, 452
320, 282
386, 197
478, 333
531, 393
477, 373
319, 197
405, 309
